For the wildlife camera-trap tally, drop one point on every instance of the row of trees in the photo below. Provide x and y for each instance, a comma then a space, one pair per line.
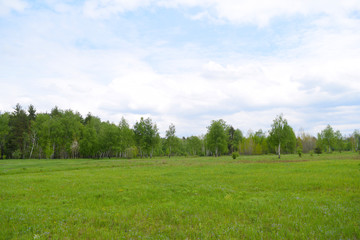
66, 134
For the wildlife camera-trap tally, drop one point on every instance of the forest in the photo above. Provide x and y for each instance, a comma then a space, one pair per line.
26, 134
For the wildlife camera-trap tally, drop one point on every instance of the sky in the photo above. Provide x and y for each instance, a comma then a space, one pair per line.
186, 62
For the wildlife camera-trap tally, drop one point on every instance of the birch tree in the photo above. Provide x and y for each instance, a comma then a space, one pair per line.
170, 137
146, 136
327, 138
281, 134
126, 137
355, 140
217, 137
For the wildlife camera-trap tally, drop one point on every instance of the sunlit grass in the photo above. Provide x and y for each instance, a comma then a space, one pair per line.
252, 197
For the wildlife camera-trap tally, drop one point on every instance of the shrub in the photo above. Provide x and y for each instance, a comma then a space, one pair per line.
235, 155
318, 150
311, 153
17, 154
299, 151
131, 152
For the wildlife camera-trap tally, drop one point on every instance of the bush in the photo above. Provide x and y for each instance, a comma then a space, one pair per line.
299, 151
131, 152
17, 154
311, 153
318, 150
235, 155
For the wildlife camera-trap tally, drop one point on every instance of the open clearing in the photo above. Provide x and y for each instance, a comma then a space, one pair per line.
252, 197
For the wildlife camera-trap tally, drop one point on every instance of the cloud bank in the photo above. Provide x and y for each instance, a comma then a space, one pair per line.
186, 62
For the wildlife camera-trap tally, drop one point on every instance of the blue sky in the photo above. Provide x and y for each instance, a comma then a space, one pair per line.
186, 62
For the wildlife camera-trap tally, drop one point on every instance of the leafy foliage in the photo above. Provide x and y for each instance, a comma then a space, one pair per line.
170, 137
330, 140
66, 134
217, 137
146, 136
282, 136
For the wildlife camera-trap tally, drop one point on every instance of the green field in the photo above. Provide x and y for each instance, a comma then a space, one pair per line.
252, 197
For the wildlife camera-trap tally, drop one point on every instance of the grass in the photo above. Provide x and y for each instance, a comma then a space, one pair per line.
252, 197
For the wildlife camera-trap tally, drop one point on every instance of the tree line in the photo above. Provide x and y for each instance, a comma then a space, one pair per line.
67, 134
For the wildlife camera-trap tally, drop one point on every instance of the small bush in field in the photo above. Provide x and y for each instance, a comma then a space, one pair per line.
235, 155
318, 150
299, 151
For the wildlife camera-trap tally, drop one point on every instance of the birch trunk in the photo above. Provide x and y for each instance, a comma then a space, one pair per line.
279, 150
33, 143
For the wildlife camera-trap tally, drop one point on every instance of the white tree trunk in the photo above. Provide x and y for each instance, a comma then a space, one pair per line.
279, 150
33, 138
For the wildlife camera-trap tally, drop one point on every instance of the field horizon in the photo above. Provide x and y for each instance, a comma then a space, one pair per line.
251, 197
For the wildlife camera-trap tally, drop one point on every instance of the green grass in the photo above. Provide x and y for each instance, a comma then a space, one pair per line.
252, 197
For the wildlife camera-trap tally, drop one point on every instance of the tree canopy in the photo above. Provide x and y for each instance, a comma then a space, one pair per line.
282, 136
217, 137
66, 134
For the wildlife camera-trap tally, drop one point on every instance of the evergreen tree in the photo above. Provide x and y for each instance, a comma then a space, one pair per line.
19, 130
4, 132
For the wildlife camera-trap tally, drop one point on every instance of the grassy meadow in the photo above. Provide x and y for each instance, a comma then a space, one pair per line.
252, 197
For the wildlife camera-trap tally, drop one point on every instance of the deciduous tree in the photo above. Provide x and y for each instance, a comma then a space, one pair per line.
126, 137
170, 137
217, 137
282, 135
327, 138
146, 136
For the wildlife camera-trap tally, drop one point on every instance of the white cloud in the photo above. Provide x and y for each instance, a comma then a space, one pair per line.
106, 8
340, 118
248, 94
314, 76
6, 6
258, 12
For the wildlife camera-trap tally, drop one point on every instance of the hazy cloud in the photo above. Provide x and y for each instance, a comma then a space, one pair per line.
7, 6
258, 12
98, 57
